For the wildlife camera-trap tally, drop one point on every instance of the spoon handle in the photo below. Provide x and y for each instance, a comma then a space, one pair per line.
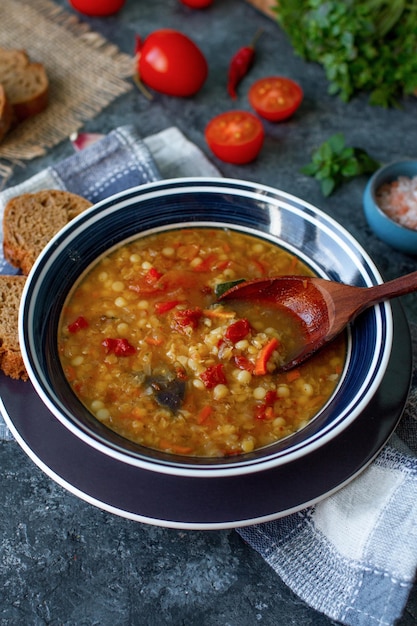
393, 288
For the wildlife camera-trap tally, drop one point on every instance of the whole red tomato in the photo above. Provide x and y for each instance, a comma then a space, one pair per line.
97, 7
197, 4
235, 136
171, 63
275, 98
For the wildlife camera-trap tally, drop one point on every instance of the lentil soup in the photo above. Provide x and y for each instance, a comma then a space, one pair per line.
149, 351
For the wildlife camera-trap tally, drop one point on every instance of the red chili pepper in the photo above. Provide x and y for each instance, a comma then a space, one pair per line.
79, 323
238, 330
214, 375
119, 347
240, 65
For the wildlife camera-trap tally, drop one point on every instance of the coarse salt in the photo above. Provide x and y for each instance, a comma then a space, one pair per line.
398, 200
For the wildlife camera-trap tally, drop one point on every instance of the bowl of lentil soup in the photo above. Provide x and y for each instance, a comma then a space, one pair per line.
126, 344
390, 204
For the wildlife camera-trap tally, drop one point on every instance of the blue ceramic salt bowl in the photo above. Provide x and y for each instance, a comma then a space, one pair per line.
396, 235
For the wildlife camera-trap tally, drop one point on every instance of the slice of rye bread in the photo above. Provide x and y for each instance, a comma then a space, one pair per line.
6, 113
31, 220
26, 83
11, 362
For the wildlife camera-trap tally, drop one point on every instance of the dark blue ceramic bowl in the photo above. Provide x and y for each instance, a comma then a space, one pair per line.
279, 217
393, 233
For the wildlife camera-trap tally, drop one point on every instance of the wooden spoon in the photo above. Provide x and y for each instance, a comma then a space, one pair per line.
323, 307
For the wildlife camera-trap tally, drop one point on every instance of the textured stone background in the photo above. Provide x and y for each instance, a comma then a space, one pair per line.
65, 562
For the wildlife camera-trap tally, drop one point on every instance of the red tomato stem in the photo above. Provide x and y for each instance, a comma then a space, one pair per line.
145, 92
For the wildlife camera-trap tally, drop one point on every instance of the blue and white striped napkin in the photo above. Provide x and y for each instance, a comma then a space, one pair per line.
352, 556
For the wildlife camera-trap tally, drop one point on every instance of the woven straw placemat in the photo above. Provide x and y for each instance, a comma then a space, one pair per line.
85, 72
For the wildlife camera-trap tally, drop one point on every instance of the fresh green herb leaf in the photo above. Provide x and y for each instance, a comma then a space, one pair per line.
221, 288
337, 143
333, 162
362, 45
327, 186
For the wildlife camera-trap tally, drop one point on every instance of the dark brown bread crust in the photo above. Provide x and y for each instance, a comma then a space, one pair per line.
11, 362
6, 113
26, 84
32, 219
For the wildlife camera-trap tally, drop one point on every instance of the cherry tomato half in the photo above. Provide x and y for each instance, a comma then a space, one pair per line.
235, 136
275, 98
97, 7
197, 4
171, 63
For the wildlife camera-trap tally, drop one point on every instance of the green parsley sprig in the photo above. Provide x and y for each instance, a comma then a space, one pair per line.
362, 45
333, 163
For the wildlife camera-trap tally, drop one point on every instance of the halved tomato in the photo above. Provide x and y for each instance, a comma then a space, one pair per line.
275, 98
235, 136
97, 7
197, 4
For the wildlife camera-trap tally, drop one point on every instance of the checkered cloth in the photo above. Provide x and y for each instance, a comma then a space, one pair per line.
352, 556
